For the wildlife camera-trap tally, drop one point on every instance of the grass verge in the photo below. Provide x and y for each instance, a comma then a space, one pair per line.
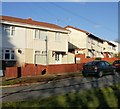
107, 98
42, 78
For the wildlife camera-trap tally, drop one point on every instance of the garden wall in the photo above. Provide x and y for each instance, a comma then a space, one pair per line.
85, 60
35, 70
111, 60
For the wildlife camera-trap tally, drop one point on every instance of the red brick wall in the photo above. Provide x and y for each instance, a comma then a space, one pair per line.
11, 72
62, 68
28, 70
88, 60
83, 59
80, 66
109, 59
32, 70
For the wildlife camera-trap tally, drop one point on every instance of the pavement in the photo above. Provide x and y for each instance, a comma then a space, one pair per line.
52, 88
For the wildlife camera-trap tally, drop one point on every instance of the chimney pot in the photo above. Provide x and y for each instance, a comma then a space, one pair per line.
29, 18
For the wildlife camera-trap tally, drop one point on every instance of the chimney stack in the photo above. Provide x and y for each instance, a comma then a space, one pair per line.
29, 18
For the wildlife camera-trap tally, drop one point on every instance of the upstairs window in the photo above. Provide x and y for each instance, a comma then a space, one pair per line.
99, 44
89, 40
110, 47
43, 35
93, 41
57, 36
9, 30
12, 30
40, 34
37, 34
113, 48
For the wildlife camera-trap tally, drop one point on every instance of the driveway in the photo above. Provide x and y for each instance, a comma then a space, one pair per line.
52, 88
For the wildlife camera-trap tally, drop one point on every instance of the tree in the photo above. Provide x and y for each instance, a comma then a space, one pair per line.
117, 55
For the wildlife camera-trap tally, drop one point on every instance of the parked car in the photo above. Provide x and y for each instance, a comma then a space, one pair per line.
98, 68
116, 63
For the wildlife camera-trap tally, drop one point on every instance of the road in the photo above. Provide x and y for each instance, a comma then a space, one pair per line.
52, 88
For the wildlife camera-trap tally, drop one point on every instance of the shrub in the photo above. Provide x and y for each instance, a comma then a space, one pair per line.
98, 58
87, 56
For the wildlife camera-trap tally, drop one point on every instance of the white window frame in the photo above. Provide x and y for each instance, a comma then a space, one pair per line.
93, 41
57, 36
37, 34
43, 34
40, 34
9, 30
11, 53
113, 48
1, 54
99, 44
89, 40
57, 57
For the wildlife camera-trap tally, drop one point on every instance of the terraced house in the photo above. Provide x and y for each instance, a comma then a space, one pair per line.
28, 41
83, 42
109, 49
25, 41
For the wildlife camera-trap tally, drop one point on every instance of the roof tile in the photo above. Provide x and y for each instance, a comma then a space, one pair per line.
31, 22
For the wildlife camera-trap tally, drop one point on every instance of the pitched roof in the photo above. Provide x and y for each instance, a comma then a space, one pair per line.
31, 22
88, 33
77, 29
110, 43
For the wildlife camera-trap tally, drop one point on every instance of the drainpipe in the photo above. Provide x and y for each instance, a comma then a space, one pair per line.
46, 41
87, 45
47, 55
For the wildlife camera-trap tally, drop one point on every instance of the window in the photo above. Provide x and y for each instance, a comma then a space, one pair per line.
109, 47
107, 64
101, 64
37, 52
8, 54
1, 54
12, 54
93, 42
37, 34
12, 30
113, 48
98, 43
9, 30
43, 35
41, 52
40, 34
57, 36
57, 57
89, 40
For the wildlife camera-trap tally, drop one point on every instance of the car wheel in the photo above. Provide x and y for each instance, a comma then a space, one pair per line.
100, 74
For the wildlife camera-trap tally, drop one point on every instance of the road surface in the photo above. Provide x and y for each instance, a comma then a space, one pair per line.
52, 88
